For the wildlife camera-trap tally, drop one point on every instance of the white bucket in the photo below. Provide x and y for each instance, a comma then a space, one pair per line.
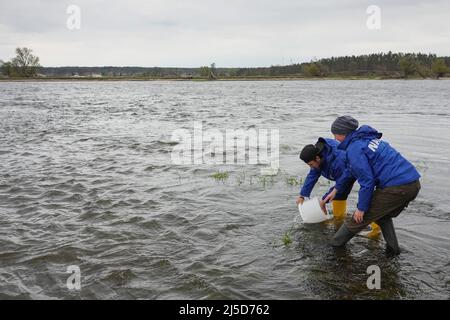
311, 212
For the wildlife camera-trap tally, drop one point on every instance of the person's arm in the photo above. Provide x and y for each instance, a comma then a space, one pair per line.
343, 183
362, 171
344, 179
310, 182
328, 192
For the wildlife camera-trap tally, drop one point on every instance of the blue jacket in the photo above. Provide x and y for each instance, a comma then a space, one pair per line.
333, 165
374, 163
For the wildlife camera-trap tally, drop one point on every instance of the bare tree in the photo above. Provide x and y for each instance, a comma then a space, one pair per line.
25, 64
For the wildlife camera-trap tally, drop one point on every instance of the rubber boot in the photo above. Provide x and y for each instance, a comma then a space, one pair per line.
339, 208
388, 230
342, 236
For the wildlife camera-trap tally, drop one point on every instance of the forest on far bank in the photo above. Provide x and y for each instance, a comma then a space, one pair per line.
377, 65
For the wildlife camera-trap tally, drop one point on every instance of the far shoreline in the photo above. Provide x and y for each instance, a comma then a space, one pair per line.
118, 79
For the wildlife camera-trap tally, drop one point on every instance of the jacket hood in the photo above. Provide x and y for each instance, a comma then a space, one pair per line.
329, 142
329, 150
363, 133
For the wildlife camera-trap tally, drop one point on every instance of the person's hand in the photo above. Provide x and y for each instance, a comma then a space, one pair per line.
323, 206
358, 216
330, 196
299, 200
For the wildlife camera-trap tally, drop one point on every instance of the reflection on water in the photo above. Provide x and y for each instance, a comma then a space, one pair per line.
86, 179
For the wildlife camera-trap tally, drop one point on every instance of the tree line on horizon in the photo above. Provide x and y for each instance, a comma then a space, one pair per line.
399, 65
388, 65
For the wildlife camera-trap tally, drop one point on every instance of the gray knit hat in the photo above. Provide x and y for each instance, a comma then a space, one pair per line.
344, 125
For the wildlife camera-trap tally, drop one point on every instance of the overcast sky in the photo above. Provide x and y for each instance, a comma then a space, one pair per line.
228, 32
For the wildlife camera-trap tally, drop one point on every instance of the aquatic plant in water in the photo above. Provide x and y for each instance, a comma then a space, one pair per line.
287, 240
293, 181
220, 176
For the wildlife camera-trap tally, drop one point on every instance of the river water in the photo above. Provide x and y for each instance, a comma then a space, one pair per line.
87, 180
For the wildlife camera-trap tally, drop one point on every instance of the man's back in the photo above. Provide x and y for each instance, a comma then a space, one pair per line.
388, 166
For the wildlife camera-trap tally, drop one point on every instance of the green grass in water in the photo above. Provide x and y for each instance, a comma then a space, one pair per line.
220, 176
292, 181
287, 240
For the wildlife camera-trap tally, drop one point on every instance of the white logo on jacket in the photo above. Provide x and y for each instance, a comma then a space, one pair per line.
374, 144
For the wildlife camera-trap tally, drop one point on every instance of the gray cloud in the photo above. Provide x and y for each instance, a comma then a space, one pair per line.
230, 33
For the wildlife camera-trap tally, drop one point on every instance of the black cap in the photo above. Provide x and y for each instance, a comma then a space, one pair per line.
310, 151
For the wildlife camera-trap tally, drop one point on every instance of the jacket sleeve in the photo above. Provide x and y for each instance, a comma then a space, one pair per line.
329, 191
362, 171
310, 182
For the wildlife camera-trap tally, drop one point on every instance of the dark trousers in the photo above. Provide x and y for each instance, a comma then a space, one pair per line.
387, 203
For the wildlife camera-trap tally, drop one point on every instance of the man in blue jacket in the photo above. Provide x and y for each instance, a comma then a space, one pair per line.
326, 160
388, 182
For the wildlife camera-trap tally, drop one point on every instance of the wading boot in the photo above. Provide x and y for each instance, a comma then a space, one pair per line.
387, 228
342, 236
339, 208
